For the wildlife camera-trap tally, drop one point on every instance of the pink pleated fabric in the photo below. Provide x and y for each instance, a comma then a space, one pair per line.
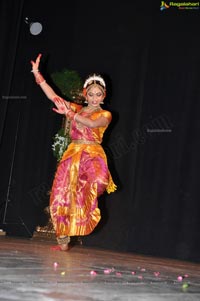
82, 175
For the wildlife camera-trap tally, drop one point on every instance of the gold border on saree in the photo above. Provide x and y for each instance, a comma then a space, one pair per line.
80, 141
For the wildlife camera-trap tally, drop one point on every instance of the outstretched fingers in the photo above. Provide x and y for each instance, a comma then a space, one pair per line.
56, 110
38, 59
60, 107
35, 64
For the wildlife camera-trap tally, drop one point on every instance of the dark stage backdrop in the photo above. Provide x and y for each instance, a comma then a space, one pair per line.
150, 59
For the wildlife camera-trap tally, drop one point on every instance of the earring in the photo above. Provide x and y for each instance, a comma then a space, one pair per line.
85, 101
101, 102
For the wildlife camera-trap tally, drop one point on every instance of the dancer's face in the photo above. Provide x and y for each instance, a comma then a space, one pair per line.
94, 96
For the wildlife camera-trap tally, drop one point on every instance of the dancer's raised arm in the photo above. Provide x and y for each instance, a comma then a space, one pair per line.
49, 92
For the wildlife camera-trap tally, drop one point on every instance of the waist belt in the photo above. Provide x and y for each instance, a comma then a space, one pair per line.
80, 141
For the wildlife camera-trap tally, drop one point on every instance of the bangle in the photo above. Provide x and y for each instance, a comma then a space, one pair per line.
34, 70
75, 116
44, 81
70, 114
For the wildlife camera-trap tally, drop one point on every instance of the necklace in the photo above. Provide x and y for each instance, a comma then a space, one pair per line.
90, 109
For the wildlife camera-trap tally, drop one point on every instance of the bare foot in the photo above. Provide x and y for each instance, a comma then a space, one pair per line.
63, 247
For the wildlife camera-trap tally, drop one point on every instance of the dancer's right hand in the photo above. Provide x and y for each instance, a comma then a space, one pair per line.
35, 64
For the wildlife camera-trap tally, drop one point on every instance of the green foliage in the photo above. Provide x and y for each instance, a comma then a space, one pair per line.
69, 83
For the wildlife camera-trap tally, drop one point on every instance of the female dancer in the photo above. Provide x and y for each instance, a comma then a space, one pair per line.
82, 174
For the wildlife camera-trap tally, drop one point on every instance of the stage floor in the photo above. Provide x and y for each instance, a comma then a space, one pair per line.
30, 270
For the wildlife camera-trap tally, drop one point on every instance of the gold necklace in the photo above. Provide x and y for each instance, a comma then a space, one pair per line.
85, 110
90, 110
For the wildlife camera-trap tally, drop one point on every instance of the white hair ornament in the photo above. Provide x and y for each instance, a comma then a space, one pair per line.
92, 79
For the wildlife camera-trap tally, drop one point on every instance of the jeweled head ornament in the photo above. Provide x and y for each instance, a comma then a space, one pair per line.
94, 79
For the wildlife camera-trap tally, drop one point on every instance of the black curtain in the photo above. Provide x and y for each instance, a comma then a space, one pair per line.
150, 59
8, 49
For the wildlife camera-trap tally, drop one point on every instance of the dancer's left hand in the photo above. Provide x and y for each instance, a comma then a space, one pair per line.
61, 107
